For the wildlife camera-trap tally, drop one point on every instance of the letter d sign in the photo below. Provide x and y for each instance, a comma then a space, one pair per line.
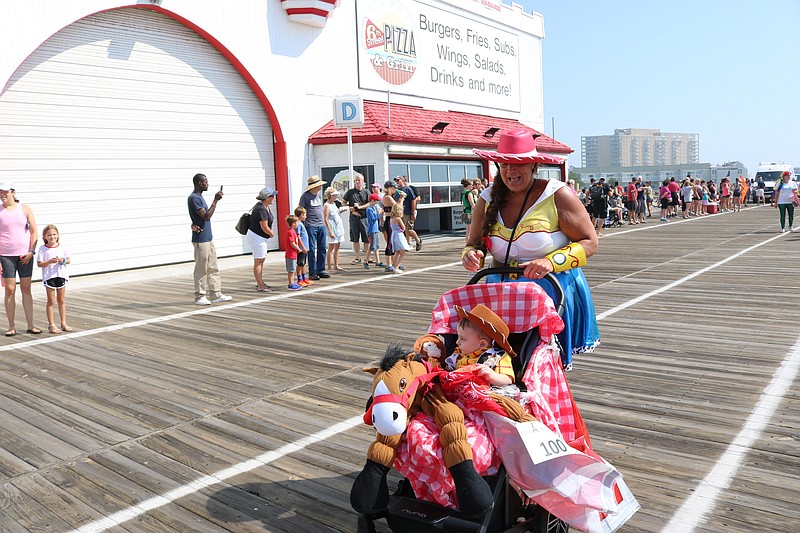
348, 111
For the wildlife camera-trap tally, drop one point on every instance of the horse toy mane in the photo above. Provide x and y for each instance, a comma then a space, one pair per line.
394, 354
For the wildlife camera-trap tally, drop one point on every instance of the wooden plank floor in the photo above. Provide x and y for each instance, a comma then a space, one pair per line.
152, 393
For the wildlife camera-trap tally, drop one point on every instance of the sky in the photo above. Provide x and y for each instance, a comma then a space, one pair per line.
728, 70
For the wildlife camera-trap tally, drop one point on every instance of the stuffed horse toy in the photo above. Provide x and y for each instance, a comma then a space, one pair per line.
401, 388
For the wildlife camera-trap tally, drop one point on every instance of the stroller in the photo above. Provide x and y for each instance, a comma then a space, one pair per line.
532, 327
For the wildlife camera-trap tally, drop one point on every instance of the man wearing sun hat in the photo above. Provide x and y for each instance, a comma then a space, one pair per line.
540, 226
311, 201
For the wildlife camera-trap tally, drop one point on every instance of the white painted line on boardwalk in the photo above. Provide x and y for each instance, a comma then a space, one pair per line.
155, 502
694, 510
213, 309
639, 299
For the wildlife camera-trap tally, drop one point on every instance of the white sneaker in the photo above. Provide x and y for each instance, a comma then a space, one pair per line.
783, 230
222, 298
202, 301
792, 229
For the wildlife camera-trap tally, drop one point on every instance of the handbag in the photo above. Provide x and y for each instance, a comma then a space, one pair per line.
244, 222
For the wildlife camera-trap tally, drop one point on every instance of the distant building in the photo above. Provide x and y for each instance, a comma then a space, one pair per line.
637, 147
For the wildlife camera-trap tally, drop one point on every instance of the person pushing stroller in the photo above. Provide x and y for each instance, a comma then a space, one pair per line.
539, 225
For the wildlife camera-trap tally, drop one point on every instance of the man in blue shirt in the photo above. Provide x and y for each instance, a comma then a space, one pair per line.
206, 271
311, 201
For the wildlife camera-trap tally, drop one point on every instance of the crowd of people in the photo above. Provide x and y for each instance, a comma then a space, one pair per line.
313, 234
615, 205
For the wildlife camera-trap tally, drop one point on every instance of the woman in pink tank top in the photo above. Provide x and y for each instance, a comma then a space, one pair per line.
18, 236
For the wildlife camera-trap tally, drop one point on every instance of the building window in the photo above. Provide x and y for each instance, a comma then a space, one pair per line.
438, 183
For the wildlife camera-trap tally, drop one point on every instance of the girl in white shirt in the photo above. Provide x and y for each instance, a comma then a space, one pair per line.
53, 259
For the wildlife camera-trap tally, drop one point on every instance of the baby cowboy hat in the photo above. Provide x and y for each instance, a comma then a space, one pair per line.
488, 322
517, 147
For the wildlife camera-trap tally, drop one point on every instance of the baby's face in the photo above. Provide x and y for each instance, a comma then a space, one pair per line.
469, 340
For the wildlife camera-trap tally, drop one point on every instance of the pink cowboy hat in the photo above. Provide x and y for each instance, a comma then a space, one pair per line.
517, 147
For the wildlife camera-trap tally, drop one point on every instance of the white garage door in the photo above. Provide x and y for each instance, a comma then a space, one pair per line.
103, 127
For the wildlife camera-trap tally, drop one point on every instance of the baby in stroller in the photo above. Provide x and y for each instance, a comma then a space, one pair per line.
518, 319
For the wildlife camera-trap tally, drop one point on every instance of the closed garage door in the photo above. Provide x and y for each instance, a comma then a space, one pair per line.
104, 125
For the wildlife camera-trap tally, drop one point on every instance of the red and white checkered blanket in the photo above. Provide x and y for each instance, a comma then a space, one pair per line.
419, 457
523, 306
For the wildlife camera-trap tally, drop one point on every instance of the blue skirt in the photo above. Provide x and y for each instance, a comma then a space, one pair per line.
581, 333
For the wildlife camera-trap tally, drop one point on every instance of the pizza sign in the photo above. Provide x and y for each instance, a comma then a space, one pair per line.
388, 34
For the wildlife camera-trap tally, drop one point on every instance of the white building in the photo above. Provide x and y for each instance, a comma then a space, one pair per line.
109, 107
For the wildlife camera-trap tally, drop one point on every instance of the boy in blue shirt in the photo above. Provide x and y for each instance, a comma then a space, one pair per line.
373, 229
302, 255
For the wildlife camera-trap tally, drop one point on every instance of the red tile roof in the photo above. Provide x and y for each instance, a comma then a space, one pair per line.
412, 124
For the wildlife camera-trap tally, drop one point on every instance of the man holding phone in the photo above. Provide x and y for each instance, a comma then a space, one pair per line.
207, 284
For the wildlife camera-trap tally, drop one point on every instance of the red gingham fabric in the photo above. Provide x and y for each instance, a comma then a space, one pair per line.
419, 457
523, 306
548, 397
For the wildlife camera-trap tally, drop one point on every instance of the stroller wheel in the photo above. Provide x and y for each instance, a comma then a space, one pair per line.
541, 521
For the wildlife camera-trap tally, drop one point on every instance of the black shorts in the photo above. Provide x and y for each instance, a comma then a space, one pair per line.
55, 283
12, 266
675, 199
600, 210
358, 229
301, 259
631, 205
665, 203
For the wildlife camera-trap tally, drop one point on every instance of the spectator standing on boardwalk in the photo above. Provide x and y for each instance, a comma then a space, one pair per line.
409, 210
467, 201
374, 230
311, 201
207, 283
736, 194
648, 198
760, 188
674, 197
387, 202
53, 259
260, 230
665, 195
334, 226
292, 249
687, 192
17, 247
785, 199
641, 208
631, 203
302, 256
598, 194
357, 199
400, 244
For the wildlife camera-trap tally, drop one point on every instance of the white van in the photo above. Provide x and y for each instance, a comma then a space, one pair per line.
771, 174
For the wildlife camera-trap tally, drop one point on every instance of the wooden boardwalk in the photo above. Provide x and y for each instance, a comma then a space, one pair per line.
152, 398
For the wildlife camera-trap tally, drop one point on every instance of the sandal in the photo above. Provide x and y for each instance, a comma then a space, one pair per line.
53, 329
11, 332
34, 330
355, 262
66, 328
265, 288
